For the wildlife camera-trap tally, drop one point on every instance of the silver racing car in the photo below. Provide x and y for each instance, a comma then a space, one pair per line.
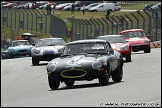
47, 49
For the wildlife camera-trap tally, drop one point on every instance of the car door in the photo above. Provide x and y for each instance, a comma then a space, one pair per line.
100, 8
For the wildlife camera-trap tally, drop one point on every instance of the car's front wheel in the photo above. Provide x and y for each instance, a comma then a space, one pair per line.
148, 50
69, 83
53, 83
35, 61
117, 74
104, 78
128, 58
12, 56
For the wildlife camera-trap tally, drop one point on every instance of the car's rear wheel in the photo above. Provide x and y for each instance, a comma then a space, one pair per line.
117, 74
35, 61
104, 78
128, 58
148, 50
53, 83
69, 83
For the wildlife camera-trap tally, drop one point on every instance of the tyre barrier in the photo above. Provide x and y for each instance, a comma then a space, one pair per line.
156, 44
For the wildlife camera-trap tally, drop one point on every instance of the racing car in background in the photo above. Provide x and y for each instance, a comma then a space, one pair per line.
85, 60
137, 39
5, 53
47, 49
118, 43
19, 48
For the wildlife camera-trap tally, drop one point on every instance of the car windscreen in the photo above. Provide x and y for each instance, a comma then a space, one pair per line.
84, 48
50, 42
134, 34
113, 39
18, 43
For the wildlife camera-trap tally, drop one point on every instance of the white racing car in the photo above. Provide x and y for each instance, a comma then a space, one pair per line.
47, 49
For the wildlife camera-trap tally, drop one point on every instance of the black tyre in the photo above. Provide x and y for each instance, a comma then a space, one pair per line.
69, 83
117, 74
148, 50
128, 58
35, 61
29, 55
103, 78
12, 56
53, 83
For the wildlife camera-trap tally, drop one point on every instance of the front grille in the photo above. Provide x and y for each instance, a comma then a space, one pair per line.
46, 53
22, 50
73, 73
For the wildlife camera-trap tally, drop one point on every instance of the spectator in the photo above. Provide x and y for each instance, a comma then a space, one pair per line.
48, 9
72, 8
54, 5
28, 6
107, 13
83, 9
33, 5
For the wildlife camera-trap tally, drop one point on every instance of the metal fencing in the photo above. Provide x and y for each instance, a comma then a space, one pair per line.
57, 27
39, 21
32, 20
29, 20
150, 21
138, 2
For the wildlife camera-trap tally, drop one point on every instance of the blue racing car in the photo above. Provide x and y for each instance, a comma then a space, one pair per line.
19, 48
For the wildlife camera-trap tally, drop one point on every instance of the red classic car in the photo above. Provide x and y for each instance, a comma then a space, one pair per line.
138, 40
118, 43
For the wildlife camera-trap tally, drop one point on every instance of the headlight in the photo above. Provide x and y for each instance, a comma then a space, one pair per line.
145, 41
6, 51
96, 65
124, 47
51, 67
12, 49
36, 51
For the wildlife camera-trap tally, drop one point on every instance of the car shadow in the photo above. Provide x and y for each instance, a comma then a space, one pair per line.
124, 61
137, 53
41, 64
19, 57
85, 86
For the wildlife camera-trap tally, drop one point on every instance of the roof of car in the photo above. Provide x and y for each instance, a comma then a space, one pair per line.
18, 40
26, 34
50, 38
86, 41
132, 30
111, 36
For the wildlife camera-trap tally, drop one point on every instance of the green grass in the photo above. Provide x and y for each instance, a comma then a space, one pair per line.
6, 32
